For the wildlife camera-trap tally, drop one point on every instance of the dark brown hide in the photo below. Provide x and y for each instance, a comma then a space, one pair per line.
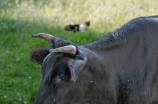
121, 68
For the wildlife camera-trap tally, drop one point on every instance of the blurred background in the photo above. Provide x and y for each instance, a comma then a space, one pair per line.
20, 78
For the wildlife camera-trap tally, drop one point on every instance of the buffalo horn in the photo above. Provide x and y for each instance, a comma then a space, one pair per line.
44, 36
66, 49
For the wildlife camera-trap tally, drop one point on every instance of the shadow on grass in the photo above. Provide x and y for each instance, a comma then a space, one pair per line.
23, 29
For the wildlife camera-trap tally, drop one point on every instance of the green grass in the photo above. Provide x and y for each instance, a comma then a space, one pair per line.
20, 78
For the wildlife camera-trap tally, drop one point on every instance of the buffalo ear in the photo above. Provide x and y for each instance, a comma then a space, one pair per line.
39, 54
76, 66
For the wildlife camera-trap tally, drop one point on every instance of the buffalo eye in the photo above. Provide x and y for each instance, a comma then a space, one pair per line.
62, 77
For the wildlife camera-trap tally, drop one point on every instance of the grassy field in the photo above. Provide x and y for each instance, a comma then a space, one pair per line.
20, 78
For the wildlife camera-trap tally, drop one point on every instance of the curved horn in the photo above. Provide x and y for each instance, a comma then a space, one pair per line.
66, 49
44, 36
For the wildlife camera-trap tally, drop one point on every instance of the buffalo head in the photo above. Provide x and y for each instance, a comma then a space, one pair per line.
67, 74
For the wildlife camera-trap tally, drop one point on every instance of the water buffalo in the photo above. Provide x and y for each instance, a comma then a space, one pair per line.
121, 68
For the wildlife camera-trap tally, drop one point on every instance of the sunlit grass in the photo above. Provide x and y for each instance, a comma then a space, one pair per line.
19, 19
103, 14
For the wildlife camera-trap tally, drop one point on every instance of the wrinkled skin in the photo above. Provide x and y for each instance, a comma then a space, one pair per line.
118, 69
